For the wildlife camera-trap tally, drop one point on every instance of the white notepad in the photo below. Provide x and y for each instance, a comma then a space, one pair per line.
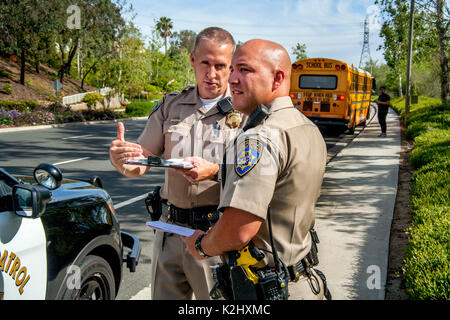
172, 228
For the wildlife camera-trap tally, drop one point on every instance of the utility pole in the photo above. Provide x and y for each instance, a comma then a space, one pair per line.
408, 66
365, 53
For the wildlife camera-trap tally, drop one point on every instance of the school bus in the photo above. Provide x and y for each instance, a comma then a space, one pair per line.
331, 93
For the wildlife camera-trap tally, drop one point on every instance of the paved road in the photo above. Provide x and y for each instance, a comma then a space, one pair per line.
81, 151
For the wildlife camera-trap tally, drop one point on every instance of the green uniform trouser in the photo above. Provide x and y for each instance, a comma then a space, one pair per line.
176, 275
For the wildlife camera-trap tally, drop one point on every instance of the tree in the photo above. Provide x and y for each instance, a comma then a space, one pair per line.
101, 41
438, 20
299, 52
164, 26
100, 22
239, 44
183, 39
23, 24
431, 38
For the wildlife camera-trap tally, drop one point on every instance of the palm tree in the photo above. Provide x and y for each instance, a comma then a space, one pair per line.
164, 27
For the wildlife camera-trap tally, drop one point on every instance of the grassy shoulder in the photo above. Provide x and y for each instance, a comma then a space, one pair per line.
426, 267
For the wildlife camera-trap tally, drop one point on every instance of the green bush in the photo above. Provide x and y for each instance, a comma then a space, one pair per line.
7, 88
433, 145
20, 106
5, 74
5, 120
426, 268
153, 89
426, 119
92, 115
427, 262
92, 98
424, 102
139, 109
160, 82
430, 185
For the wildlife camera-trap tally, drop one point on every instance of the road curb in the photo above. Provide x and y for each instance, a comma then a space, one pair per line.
61, 125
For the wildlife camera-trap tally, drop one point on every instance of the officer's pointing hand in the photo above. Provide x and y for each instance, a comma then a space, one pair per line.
121, 150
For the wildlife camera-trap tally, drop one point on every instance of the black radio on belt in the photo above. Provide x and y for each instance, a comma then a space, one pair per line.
153, 204
273, 286
256, 117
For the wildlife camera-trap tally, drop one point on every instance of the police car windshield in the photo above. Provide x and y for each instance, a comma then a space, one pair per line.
4, 188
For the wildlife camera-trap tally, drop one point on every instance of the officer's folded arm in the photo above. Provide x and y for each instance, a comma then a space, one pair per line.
231, 232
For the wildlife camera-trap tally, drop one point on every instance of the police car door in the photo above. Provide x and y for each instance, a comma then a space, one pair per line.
23, 256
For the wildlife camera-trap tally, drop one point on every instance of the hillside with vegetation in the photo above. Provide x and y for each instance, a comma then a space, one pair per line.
38, 85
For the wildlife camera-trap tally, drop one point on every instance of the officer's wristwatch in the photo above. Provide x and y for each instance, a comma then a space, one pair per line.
198, 246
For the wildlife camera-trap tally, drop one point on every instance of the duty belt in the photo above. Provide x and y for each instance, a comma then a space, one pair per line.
198, 218
301, 268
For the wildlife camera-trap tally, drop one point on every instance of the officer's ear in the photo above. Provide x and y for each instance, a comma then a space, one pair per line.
192, 58
278, 79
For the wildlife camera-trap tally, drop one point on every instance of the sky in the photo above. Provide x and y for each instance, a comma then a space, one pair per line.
329, 28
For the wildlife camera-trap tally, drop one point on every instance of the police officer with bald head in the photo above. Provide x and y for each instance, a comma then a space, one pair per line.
277, 162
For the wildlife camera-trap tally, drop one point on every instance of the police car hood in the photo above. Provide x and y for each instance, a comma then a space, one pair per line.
70, 189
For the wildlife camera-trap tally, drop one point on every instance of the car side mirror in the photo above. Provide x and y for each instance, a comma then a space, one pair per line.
48, 175
30, 201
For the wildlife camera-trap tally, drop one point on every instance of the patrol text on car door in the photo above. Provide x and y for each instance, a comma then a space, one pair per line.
60, 238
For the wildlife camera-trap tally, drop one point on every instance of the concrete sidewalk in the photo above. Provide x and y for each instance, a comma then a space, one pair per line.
355, 210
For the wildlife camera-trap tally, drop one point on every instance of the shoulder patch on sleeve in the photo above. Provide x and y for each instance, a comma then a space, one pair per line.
248, 154
160, 102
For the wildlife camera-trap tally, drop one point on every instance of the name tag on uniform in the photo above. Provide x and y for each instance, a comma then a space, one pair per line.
175, 120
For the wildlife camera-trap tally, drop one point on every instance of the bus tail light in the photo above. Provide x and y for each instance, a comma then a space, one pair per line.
338, 97
343, 67
294, 66
338, 67
300, 66
295, 95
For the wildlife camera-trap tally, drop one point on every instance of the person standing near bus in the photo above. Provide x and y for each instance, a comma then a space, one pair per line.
383, 102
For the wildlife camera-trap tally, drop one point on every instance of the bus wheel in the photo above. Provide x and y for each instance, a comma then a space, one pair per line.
352, 128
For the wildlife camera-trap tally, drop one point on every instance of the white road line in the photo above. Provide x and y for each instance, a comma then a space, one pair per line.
132, 200
86, 135
144, 294
69, 161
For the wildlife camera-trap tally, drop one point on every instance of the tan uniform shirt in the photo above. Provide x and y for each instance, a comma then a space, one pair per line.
281, 163
180, 128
